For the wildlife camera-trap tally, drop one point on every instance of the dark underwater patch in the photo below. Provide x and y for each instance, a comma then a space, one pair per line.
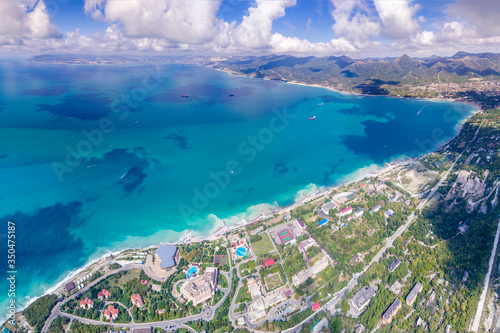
52, 91
90, 106
181, 141
44, 238
280, 169
131, 180
129, 165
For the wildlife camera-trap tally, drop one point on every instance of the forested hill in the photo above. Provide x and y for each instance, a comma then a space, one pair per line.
360, 74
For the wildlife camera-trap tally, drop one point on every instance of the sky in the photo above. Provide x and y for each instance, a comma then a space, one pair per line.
356, 28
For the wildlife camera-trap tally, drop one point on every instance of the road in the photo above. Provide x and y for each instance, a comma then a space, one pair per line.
482, 298
331, 304
207, 314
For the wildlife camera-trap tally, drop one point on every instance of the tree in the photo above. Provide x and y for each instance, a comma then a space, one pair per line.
335, 324
344, 307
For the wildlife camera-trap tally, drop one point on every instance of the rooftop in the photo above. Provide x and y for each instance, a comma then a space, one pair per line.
166, 253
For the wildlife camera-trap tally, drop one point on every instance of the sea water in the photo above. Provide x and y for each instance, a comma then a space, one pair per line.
97, 158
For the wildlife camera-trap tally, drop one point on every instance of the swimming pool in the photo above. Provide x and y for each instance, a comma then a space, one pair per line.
191, 271
241, 252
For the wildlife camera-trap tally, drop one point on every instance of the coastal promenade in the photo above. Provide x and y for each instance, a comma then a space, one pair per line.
207, 314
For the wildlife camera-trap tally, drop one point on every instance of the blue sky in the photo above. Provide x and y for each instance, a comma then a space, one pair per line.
224, 27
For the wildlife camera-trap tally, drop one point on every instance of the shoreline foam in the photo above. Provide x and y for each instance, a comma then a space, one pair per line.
344, 180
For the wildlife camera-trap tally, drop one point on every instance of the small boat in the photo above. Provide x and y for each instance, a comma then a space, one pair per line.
312, 118
231, 95
93, 165
124, 175
184, 95
320, 104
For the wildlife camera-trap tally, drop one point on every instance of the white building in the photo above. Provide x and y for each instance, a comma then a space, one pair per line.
201, 288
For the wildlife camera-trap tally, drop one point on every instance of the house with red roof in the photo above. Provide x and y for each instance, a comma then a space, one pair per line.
86, 303
346, 211
137, 300
103, 294
268, 262
315, 306
111, 313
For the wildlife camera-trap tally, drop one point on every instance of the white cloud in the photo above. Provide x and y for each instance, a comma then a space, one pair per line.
24, 19
354, 20
178, 21
397, 18
359, 28
483, 15
255, 30
281, 44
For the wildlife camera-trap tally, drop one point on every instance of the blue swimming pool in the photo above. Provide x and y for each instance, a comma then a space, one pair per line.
241, 252
191, 271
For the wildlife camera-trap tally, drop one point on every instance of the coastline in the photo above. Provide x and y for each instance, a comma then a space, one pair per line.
218, 229
110, 256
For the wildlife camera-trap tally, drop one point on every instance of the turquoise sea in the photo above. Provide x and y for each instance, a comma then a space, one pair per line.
99, 158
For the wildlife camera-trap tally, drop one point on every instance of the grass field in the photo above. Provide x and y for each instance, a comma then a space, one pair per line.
263, 246
243, 295
273, 281
130, 275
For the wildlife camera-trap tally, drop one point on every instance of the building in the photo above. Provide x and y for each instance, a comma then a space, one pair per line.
355, 259
167, 256
406, 243
86, 303
359, 213
256, 230
300, 223
305, 244
103, 294
361, 298
396, 287
393, 265
69, 286
137, 300
322, 222
268, 262
412, 295
327, 207
257, 309
391, 311
397, 195
375, 209
388, 213
315, 306
320, 326
463, 227
380, 186
202, 287
346, 211
304, 274
111, 313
